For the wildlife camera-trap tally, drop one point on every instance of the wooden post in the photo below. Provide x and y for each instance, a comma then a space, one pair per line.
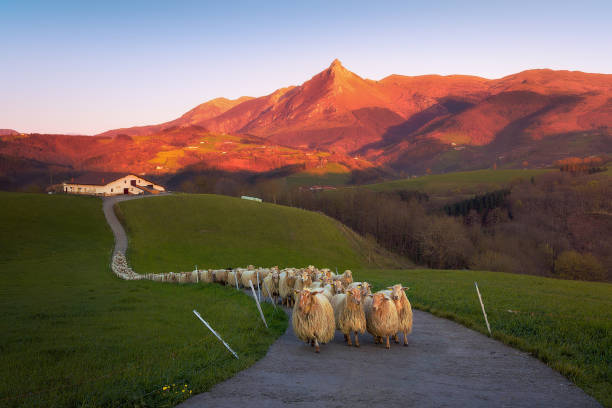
483, 309
257, 303
215, 333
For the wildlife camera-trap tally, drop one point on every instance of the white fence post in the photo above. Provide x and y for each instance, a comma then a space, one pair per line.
258, 289
269, 293
215, 333
257, 302
483, 309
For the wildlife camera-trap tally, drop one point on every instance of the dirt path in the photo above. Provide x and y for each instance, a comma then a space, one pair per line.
446, 365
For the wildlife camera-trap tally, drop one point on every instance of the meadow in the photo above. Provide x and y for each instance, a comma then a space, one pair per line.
175, 233
76, 335
72, 334
463, 182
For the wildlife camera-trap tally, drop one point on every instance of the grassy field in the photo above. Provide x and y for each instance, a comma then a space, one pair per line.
466, 182
217, 232
567, 324
72, 334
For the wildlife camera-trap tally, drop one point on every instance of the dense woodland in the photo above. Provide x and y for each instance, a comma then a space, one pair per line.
557, 225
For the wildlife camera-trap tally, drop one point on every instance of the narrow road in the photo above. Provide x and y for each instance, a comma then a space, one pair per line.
445, 365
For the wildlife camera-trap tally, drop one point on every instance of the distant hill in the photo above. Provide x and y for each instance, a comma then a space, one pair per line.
400, 123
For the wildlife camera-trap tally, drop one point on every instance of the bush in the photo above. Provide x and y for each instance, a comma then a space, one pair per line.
574, 265
495, 261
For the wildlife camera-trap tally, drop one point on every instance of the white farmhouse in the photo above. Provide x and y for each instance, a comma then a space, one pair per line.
108, 184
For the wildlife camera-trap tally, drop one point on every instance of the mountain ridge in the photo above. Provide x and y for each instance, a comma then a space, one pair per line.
404, 123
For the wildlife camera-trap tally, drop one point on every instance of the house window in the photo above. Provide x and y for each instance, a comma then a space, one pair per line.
111, 190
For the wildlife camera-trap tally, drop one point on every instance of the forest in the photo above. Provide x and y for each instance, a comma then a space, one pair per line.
556, 225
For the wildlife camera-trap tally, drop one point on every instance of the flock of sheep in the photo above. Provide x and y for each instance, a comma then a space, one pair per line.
322, 301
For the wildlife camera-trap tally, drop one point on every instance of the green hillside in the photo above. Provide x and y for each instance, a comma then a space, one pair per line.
459, 182
72, 334
174, 233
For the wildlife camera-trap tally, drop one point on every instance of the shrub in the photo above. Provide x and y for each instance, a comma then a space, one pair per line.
574, 265
495, 261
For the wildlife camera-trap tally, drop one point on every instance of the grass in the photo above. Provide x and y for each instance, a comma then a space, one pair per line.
466, 182
217, 232
72, 334
566, 324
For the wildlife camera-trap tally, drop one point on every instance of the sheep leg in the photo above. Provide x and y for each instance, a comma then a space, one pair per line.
316, 345
405, 339
347, 337
396, 338
388, 346
312, 341
356, 340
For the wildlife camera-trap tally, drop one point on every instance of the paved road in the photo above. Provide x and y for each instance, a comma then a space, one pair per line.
445, 365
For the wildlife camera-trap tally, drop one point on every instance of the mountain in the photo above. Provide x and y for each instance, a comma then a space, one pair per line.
405, 123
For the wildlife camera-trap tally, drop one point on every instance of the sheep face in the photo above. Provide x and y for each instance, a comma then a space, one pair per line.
396, 291
354, 296
338, 287
378, 300
306, 300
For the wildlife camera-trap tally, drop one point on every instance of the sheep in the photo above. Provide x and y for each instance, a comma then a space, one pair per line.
302, 282
220, 276
205, 276
363, 286
381, 317
270, 286
263, 272
349, 314
234, 278
326, 272
249, 275
313, 318
338, 287
194, 278
404, 311
328, 291
346, 278
316, 285
285, 287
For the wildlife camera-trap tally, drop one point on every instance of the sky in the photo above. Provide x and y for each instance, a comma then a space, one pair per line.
84, 67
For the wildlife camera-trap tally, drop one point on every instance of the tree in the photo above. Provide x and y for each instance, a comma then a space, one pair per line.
574, 265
